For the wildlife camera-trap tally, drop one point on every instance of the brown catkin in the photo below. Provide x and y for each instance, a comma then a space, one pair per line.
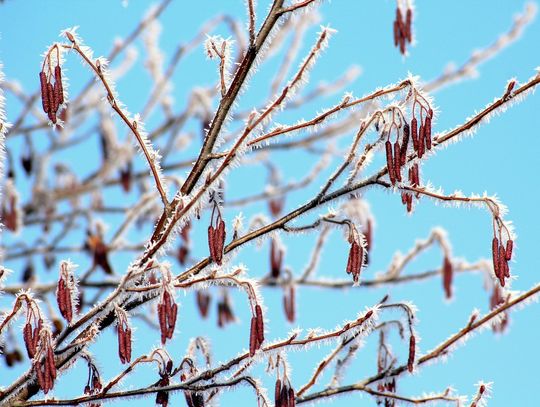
509, 248
277, 393
428, 132
397, 161
421, 141
260, 324
220, 241
405, 144
211, 242
495, 255
414, 133
292, 400
128, 344
59, 88
408, 25
253, 337
121, 344
44, 92
447, 277
53, 103
390, 162
412, 351
502, 259
172, 319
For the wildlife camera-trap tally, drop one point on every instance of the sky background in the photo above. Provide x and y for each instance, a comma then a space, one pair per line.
499, 159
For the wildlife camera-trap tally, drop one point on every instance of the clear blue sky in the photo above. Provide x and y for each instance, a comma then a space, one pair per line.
499, 160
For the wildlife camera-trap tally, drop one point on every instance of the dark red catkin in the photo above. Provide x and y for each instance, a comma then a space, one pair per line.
124, 342
277, 394
448, 273
405, 144
355, 260
412, 351
495, 256
414, 133
427, 133
292, 399
421, 141
504, 271
58, 87
44, 92
397, 161
509, 248
211, 241
253, 337
408, 25
396, 33
284, 395
390, 162
401, 29
31, 337
409, 203
220, 240
53, 107
63, 296
260, 324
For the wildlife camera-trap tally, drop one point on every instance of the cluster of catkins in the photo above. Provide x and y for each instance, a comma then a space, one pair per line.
165, 373
403, 29
167, 312
43, 363
93, 383
501, 254
396, 154
256, 336
216, 238
52, 96
66, 291
124, 337
407, 135
356, 256
284, 393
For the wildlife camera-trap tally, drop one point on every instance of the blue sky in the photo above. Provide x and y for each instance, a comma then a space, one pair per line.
498, 159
